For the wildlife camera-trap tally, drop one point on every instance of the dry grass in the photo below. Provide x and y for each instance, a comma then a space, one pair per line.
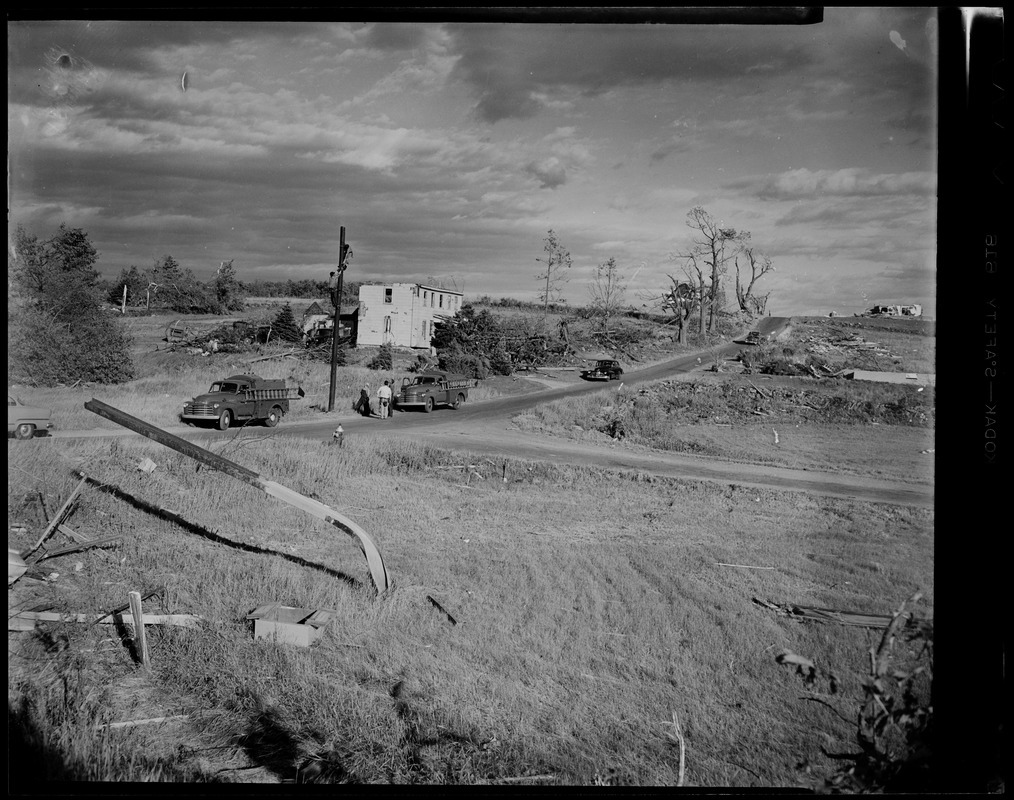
583, 620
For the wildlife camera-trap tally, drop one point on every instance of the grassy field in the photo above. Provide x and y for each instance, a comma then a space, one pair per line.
544, 625
582, 621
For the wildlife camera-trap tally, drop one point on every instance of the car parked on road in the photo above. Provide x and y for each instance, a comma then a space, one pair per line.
24, 420
753, 337
605, 369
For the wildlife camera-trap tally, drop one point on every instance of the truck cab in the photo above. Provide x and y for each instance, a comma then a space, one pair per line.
432, 388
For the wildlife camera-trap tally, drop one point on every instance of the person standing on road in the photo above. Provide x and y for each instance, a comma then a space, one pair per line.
363, 403
384, 398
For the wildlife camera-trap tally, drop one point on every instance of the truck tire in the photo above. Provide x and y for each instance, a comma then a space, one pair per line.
26, 430
458, 401
273, 416
225, 420
428, 406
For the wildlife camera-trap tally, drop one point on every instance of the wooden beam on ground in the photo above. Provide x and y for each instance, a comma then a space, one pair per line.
378, 570
72, 534
26, 620
57, 519
82, 545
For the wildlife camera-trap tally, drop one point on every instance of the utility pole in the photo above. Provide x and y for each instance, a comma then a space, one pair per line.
336, 298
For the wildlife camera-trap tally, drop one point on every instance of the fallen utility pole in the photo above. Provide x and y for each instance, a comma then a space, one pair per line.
378, 571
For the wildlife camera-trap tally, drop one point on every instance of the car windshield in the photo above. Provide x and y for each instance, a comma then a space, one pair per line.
420, 381
227, 387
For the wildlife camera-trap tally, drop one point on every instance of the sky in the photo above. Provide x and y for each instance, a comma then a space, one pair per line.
448, 150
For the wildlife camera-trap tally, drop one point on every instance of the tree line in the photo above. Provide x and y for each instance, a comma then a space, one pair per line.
698, 288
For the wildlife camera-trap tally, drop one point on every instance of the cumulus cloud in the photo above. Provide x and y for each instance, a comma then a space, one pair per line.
550, 172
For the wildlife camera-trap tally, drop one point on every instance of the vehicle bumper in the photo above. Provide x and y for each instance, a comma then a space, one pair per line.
199, 416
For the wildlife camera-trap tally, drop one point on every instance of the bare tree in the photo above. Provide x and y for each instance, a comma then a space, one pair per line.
680, 299
556, 261
759, 267
607, 291
714, 245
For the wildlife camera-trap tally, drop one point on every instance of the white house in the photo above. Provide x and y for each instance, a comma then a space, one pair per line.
403, 314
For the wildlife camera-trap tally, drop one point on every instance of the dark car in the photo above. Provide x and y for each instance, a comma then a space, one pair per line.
753, 337
606, 369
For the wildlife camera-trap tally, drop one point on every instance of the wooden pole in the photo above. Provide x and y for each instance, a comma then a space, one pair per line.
123, 306
140, 640
337, 320
378, 570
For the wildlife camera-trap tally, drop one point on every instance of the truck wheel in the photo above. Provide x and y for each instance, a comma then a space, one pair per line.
225, 420
428, 407
25, 430
273, 416
458, 401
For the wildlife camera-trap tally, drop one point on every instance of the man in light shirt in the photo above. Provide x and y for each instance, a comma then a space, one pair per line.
384, 396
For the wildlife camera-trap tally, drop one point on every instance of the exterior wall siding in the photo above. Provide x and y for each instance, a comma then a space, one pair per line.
407, 320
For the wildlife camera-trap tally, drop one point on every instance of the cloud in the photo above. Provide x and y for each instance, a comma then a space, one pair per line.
549, 172
855, 181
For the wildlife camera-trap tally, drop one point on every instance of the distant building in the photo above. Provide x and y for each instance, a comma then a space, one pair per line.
897, 311
403, 314
317, 323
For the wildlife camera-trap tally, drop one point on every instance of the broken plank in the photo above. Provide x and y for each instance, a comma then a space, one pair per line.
828, 615
58, 518
84, 545
69, 532
134, 722
26, 620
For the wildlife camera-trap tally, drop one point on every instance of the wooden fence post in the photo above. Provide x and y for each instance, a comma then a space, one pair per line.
140, 640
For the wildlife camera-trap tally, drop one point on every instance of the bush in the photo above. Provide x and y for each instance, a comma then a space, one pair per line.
384, 359
57, 330
465, 364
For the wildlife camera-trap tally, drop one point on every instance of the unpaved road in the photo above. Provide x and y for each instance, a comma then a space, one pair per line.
484, 428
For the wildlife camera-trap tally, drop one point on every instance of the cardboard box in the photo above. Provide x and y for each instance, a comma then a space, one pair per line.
299, 626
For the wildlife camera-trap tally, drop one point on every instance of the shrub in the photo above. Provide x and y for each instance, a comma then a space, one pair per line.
62, 335
465, 364
384, 359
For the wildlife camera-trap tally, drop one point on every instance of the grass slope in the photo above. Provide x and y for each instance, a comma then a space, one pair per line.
583, 620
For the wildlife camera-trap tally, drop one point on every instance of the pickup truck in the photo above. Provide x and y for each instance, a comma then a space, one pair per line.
433, 388
241, 398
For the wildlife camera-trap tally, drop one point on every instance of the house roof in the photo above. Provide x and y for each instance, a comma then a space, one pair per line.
315, 309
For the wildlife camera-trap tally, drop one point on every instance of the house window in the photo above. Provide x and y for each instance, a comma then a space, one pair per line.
387, 324
433, 297
441, 301
388, 296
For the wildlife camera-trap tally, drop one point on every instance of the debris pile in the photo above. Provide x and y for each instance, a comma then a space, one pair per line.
843, 344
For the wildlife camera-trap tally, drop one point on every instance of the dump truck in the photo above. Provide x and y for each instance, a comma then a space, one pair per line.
433, 388
241, 398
